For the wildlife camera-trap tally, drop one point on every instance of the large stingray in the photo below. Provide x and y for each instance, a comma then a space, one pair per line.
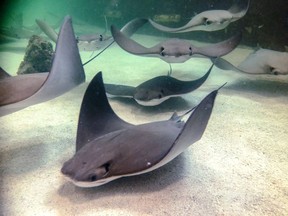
211, 20
108, 148
175, 50
156, 90
262, 61
22, 91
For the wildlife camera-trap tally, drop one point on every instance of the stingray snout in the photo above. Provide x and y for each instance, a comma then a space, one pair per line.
66, 169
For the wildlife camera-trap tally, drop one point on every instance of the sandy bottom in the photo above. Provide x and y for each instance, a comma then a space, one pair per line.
239, 167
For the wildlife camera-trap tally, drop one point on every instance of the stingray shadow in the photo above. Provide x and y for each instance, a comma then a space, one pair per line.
24, 159
266, 88
154, 183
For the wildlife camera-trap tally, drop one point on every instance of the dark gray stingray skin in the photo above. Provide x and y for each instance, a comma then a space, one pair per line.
67, 72
156, 90
3, 74
211, 20
175, 50
108, 148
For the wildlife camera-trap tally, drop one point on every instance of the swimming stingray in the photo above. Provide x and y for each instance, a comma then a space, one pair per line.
19, 92
262, 61
89, 42
211, 20
156, 90
108, 148
175, 50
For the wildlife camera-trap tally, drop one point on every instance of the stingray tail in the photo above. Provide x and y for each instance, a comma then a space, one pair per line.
177, 118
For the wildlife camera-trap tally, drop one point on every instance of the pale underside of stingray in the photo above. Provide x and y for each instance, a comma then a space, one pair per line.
175, 50
262, 61
211, 20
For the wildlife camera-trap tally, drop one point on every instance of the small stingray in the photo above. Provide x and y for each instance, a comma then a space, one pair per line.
211, 20
89, 42
108, 148
263, 61
175, 50
19, 92
128, 29
156, 90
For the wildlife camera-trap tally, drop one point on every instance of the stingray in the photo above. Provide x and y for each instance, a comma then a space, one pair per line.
175, 50
108, 148
19, 92
211, 20
87, 42
156, 90
262, 61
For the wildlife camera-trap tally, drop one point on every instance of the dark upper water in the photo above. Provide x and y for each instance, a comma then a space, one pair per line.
264, 25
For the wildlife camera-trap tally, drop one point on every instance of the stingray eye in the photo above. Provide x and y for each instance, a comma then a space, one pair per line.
191, 52
162, 53
101, 37
274, 71
159, 96
93, 178
207, 21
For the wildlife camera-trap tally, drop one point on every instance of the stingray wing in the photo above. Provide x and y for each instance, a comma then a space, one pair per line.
96, 115
3, 74
195, 24
192, 131
48, 30
167, 29
132, 26
66, 73
219, 49
226, 65
128, 44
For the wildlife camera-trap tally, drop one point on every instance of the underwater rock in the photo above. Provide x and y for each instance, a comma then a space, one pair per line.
38, 56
